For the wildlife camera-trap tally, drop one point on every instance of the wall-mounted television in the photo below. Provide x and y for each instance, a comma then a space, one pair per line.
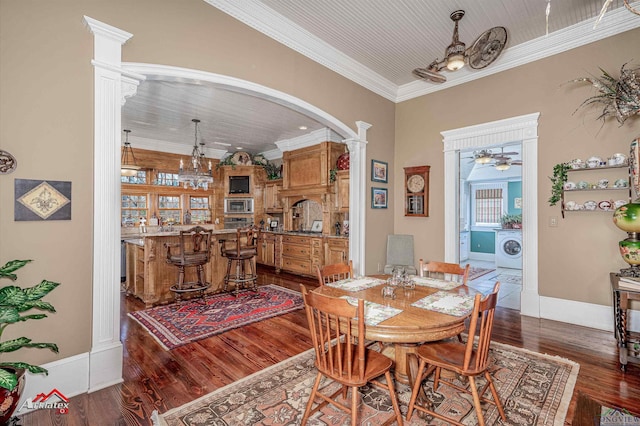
239, 185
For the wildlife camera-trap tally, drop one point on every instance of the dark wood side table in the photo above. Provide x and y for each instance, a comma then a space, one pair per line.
621, 298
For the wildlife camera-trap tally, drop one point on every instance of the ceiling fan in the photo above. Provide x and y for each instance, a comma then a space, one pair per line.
482, 52
500, 160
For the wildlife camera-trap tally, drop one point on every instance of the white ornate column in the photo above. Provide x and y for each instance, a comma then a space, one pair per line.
357, 196
111, 85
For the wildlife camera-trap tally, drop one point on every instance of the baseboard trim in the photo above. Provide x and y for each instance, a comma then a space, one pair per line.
70, 376
585, 314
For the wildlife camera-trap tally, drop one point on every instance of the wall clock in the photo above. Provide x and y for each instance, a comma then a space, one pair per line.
416, 191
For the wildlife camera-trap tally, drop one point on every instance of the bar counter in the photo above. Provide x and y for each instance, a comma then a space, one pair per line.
149, 276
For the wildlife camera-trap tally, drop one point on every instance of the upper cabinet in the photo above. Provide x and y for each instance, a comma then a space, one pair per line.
308, 168
272, 201
342, 190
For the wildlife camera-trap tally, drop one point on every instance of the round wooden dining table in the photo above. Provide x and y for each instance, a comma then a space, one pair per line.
407, 330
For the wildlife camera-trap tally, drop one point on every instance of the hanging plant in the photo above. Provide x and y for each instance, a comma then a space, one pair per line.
618, 97
557, 182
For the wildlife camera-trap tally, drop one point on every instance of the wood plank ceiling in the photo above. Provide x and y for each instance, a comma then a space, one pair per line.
377, 43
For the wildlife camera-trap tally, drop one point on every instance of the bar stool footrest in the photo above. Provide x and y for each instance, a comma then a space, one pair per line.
189, 287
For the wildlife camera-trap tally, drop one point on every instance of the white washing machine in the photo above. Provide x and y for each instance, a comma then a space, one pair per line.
509, 248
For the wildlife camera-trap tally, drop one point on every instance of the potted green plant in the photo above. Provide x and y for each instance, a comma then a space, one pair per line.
273, 171
558, 180
506, 221
14, 302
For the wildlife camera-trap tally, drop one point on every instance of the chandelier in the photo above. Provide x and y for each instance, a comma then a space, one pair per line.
195, 176
128, 166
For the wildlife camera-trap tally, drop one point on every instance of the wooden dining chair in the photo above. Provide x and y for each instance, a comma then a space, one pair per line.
341, 355
446, 270
464, 359
332, 273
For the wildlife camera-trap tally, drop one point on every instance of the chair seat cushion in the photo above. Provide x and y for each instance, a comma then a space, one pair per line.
193, 258
245, 252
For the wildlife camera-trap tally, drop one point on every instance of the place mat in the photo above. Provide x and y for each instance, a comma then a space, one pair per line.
446, 303
355, 284
374, 313
435, 283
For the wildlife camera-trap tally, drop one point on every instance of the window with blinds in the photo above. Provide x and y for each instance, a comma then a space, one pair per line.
488, 204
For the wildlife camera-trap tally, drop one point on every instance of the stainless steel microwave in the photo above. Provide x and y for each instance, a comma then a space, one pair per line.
238, 205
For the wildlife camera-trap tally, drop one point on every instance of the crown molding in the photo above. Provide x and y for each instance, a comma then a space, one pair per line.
272, 154
310, 139
614, 22
267, 21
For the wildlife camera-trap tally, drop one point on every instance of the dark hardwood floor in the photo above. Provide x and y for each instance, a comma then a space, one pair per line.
155, 379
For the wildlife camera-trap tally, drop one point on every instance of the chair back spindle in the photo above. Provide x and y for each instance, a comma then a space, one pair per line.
335, 272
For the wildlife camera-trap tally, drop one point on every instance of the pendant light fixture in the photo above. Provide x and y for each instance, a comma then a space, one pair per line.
195, 175
128, 166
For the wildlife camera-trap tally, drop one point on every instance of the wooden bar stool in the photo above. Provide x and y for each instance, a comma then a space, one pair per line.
194, 250
243, 251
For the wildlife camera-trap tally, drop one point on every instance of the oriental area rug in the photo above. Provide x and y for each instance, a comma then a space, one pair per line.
535, 389
177, 324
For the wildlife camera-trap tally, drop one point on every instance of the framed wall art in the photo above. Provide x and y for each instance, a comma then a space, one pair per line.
42, 200
379, 198
379, 171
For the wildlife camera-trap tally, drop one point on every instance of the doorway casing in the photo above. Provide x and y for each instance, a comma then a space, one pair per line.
523, 129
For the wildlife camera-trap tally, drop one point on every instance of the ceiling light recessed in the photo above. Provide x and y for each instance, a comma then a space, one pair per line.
238, 147
303, 127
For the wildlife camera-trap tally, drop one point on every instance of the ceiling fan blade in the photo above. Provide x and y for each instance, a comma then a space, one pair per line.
429, 74
487, 47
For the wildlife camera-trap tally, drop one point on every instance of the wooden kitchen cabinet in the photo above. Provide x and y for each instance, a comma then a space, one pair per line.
308, 168
267, 249
272, 202
342, 190
337, 251
301, 254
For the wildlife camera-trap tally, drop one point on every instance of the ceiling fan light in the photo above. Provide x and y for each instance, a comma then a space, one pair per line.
503, 166
455, 62
483, 160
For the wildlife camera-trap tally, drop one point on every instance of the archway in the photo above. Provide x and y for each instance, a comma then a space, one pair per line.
113, 83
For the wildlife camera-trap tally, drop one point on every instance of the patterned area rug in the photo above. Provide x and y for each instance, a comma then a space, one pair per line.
535, 390
475, 272
511, 279
178, 324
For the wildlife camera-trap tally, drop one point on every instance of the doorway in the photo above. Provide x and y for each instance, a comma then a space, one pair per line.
508, 131
490, 218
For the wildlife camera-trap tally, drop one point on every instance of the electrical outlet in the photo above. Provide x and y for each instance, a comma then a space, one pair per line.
553, 221
379, 267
